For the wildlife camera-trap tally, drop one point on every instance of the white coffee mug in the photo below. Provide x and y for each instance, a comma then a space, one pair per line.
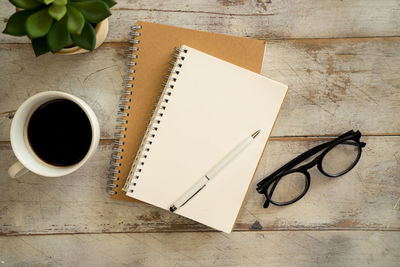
27, 159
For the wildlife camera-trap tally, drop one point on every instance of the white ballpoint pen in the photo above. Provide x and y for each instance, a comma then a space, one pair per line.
202, 182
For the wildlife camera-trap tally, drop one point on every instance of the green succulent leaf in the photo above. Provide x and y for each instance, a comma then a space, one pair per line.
16, 23
38, 24
110, 3
40, 46
58, 36
94, 11
87, 38
46, 1
60, 2
75, 21
25, 4
57, 12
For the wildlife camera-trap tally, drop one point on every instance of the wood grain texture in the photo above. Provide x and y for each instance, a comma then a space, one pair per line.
257, 18
364, 199
308, 248
328, 79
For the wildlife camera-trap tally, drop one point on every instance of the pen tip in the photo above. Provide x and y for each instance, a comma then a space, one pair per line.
255, 133
173, 208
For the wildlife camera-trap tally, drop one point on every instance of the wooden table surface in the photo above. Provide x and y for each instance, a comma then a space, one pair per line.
341, 60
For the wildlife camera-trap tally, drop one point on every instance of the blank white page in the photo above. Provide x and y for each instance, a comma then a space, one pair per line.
214, 105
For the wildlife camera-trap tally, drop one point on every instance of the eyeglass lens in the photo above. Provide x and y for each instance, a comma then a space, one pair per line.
289, 187
341, 158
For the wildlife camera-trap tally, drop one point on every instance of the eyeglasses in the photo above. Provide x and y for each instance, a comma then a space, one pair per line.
289, 184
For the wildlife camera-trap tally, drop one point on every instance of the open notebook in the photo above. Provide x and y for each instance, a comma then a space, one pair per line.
207, 107
147, 62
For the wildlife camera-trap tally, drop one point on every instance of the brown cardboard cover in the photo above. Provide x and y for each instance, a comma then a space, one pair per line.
157, 43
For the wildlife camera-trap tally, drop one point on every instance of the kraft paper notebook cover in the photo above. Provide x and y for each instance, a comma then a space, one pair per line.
151, 50
207, 107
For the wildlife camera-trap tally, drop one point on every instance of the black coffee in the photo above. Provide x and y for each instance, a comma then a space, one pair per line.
59, 132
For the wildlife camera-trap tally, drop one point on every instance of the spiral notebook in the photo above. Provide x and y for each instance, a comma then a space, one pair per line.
147, 61
207, 107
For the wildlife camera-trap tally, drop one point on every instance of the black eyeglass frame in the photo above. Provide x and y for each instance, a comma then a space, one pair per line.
273, 179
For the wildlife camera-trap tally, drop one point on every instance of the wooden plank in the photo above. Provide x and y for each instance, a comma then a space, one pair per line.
300, 248
364, 199
259, 19
328, 80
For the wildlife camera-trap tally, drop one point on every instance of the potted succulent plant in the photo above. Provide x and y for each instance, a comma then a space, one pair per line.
61, 26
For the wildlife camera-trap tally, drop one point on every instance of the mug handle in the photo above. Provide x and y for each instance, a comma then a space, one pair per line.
17, 169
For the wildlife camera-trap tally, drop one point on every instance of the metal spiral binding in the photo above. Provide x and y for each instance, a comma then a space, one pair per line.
156, 119
123, 112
